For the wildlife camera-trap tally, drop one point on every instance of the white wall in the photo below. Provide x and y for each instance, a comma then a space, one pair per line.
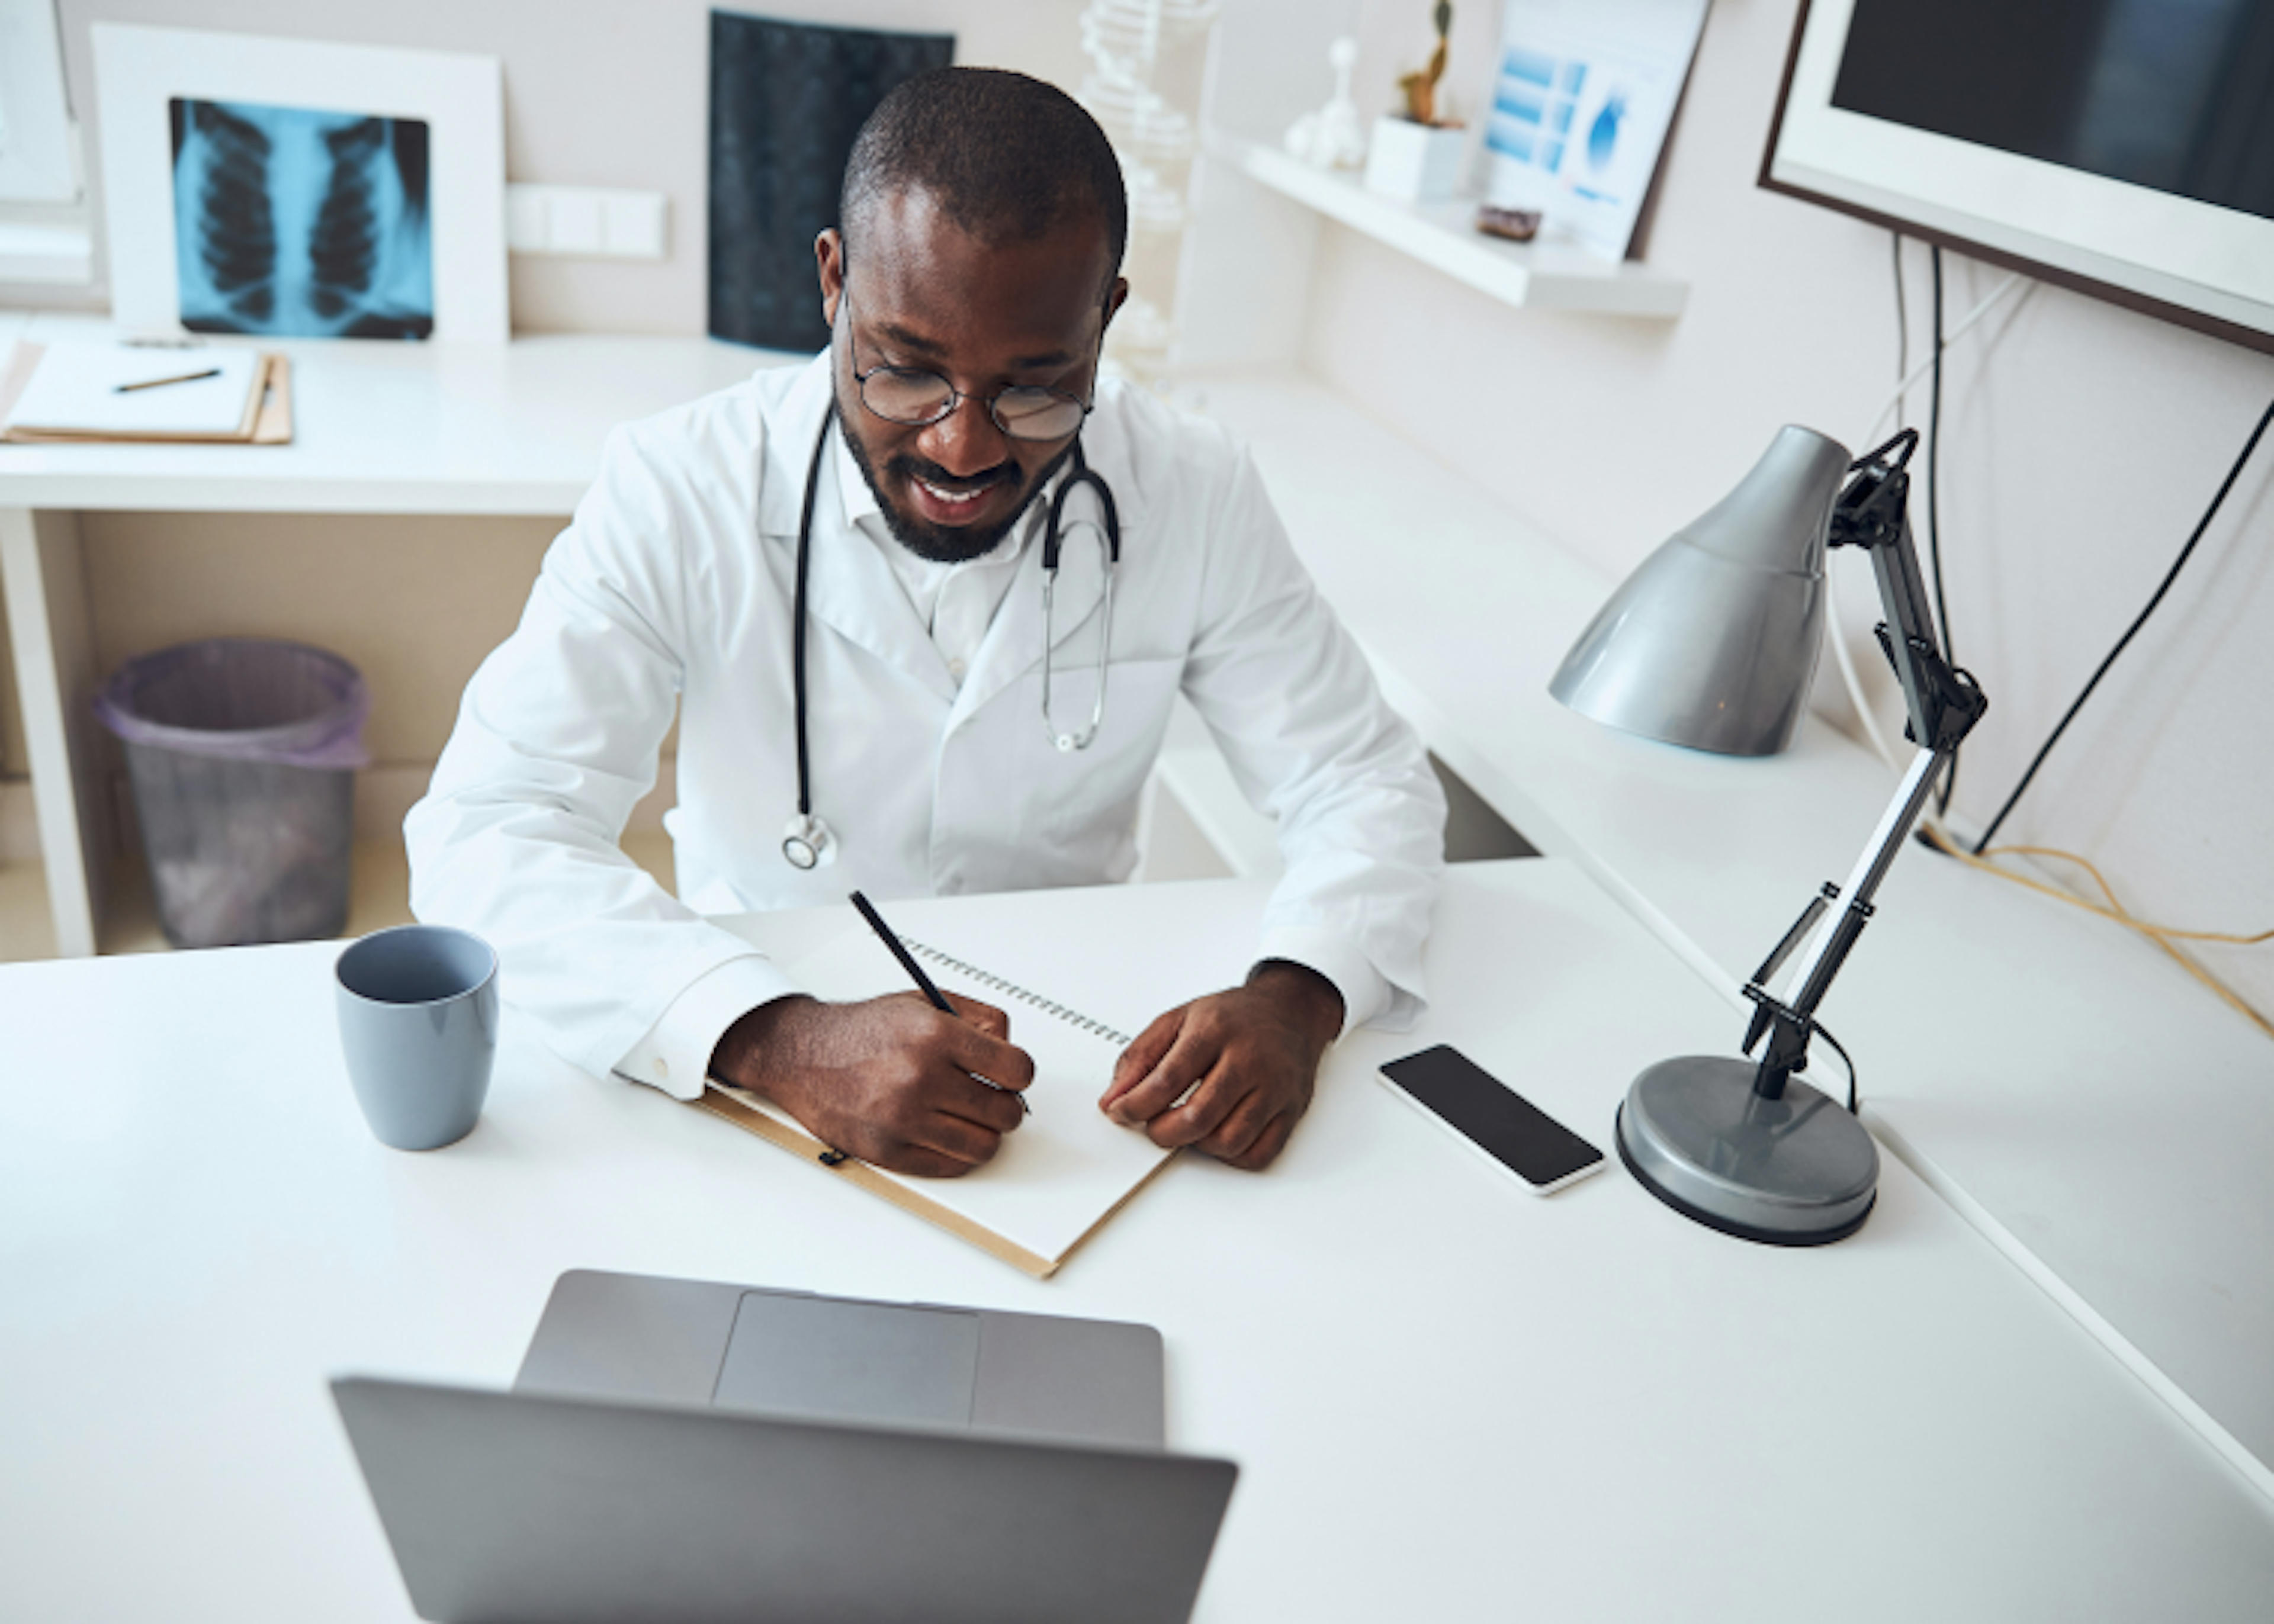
2082, 442
604, 92
598, 93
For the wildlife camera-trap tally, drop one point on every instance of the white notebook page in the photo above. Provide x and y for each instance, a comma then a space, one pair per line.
74, 391
1068, 1164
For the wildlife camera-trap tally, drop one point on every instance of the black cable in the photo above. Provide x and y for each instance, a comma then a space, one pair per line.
2123, 642
1846, 1059
1934, 516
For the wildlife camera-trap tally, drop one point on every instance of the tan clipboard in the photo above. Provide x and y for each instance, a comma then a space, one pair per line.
268, 410
731, 1104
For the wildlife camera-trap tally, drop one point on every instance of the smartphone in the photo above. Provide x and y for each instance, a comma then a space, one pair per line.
1493, 1119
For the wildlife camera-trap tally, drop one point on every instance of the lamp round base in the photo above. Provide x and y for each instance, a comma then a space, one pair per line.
1798, 1172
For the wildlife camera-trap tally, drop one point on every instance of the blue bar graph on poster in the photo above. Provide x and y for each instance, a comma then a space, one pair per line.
1519, 103
1513, 140
1529, 67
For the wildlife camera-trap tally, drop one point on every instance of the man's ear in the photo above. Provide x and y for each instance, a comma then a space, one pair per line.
1114, 299
829, 262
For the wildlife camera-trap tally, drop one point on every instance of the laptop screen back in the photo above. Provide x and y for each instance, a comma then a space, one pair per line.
505, 1507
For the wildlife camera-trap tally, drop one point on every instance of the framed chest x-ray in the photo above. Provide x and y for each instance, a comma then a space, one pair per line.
293, 189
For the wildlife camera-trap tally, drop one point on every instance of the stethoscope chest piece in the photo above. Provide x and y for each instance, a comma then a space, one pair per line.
808, 844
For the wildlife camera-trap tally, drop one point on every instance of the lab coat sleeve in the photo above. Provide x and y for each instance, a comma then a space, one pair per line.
557, 739
675, 1055
1311, 741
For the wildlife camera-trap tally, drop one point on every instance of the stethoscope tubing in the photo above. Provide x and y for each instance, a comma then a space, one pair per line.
808, 843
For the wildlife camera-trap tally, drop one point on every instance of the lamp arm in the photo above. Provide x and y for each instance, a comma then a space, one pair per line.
1944, 703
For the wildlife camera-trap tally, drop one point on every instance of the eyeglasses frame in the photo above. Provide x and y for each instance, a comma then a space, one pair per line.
955, 396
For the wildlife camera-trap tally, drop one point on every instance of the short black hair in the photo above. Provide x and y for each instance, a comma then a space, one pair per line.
1007, 158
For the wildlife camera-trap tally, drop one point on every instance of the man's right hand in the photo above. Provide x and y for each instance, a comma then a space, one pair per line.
893, 1081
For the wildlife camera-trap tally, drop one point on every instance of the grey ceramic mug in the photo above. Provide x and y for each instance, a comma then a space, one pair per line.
418, 1021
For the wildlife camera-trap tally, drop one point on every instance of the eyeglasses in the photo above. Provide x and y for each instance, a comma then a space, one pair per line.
918, 397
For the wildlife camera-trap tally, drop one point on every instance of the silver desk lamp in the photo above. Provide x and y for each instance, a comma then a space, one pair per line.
1712, 643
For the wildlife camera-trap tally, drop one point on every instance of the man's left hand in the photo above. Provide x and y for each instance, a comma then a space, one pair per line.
1231, 1074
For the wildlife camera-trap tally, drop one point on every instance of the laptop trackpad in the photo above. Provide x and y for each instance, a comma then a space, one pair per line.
830, 1359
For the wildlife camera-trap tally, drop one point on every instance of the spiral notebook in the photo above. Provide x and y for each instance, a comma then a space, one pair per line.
1067, 1170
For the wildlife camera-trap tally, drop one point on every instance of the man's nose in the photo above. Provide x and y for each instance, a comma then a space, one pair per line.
966, 442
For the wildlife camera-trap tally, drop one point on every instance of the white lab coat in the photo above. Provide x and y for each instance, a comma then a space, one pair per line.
673, 587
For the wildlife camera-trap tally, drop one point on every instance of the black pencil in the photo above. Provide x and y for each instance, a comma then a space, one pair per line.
907, 959
917, 973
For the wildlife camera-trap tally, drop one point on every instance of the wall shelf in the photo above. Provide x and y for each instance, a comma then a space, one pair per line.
1535, 276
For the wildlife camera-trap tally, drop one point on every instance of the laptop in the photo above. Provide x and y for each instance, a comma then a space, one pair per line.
682, 1451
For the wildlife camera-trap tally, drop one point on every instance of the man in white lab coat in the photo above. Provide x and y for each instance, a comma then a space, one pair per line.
969, 290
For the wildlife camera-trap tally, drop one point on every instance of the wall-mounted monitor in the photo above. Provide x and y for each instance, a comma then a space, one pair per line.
2121, 147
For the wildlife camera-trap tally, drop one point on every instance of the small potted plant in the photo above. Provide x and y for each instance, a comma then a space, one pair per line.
1416, 154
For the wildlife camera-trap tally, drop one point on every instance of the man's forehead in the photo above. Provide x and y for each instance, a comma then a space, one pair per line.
912, 254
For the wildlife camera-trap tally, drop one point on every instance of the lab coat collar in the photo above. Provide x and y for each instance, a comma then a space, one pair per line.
850, 589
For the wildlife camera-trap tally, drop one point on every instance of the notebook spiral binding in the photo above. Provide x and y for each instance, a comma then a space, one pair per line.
1012, 989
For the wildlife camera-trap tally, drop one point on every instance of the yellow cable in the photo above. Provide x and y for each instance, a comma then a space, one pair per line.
2162, 936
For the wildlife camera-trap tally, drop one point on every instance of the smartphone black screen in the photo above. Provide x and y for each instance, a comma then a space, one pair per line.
1500, 1122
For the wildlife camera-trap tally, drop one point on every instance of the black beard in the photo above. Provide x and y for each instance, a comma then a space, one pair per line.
939, 543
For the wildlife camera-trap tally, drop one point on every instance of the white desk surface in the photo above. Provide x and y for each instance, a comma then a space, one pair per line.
395, 428
1450, 1399
2100, 1117
2098, 1113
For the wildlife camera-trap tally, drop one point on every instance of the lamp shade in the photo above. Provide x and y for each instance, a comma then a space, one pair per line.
1712, 643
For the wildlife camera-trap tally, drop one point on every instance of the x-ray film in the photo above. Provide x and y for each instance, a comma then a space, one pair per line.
296, 223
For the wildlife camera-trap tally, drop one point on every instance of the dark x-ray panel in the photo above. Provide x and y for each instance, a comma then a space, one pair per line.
786, 98
300, 223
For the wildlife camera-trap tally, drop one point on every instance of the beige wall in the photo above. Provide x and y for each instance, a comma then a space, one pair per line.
2082, 442
413, 604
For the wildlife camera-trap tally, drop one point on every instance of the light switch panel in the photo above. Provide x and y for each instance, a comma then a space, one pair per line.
587, 222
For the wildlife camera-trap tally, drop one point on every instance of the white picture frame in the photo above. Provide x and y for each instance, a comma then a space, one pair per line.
138, 71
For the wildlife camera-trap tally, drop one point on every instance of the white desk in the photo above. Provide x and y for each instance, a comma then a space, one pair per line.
2101, 1119
378, 428
1451, 1400
2104, 1120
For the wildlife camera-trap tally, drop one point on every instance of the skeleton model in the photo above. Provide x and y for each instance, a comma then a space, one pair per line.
1130, 43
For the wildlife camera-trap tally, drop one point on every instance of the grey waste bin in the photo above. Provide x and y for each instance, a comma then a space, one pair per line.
242, 754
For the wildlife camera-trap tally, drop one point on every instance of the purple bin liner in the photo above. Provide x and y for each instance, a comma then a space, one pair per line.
250, 699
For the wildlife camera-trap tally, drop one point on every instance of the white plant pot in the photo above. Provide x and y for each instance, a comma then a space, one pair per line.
1414, 163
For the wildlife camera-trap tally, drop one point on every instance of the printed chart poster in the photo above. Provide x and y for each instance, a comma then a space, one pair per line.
298, 223
1581, 101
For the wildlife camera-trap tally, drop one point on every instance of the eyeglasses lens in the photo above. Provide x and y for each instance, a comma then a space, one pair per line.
1036, 414
906, 394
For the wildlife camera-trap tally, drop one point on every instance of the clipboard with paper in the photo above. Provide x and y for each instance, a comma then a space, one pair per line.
1069, 1167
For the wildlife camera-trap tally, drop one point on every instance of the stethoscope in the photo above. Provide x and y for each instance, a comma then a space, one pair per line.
808, 843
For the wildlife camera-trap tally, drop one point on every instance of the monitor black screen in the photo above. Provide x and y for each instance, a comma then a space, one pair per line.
2177, 95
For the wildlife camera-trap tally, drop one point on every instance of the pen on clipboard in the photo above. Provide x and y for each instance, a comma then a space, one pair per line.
923, 982
160, 383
